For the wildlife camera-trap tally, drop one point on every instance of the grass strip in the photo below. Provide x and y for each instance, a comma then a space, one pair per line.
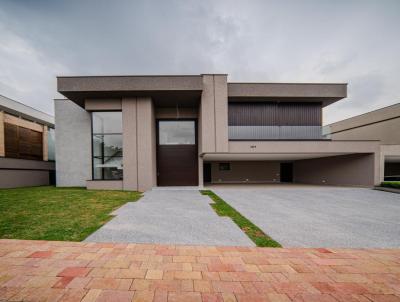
250, 229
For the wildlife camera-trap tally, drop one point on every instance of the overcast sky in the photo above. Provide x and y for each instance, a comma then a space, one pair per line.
357, 42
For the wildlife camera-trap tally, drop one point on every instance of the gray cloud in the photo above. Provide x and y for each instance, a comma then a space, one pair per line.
279, 41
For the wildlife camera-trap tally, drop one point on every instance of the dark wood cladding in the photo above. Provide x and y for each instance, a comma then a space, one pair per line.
275, 114
22, 143
177, 165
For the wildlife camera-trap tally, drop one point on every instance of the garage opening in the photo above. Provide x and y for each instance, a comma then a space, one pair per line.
342, 170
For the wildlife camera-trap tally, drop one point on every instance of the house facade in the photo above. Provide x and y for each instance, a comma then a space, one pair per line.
383, 125
138, 132
27, 152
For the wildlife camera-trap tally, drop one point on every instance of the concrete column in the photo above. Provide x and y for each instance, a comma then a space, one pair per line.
201, 179
221, 112
129, 142
2, 143
45, 143
146, 144
207, 115
214, 114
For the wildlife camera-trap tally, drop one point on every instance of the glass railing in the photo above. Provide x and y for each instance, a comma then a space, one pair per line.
275, 133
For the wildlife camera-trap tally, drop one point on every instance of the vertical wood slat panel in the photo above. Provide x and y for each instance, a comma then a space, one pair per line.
275, 114
23, 143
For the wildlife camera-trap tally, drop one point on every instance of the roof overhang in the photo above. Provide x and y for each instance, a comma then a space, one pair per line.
170, 89
18, 109
287, 92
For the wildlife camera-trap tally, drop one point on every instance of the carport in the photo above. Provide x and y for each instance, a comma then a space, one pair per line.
303, 162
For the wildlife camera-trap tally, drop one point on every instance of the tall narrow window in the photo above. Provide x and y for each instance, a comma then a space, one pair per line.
107, 145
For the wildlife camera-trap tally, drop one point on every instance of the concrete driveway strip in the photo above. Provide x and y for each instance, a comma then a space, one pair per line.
321, 216
171, 217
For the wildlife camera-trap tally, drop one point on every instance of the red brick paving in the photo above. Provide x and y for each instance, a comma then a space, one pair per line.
71, 271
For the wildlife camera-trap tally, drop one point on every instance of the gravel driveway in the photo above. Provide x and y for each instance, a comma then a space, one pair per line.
320, 216
172, 217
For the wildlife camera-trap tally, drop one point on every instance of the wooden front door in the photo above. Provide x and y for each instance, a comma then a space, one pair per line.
177, 153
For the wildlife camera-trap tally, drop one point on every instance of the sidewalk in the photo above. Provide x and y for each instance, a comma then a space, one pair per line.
70, 271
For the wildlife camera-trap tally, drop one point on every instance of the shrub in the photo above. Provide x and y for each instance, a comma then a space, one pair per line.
391, 184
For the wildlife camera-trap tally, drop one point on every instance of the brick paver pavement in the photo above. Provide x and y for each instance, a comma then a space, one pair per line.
71, 271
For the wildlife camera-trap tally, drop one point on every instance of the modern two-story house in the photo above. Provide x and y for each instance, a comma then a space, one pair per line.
138, 132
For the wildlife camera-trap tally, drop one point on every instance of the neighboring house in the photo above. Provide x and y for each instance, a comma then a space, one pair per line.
383, 125
26, 145
137, 132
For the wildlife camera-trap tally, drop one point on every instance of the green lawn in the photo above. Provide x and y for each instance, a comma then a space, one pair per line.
51, 213
250, 229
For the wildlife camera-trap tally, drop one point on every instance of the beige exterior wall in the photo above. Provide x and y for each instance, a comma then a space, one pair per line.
139, 144
129, 141
2, 145
214, 114
146, 144
171, 112
103, 104
348, 170
247, 172
296, 147
386, 131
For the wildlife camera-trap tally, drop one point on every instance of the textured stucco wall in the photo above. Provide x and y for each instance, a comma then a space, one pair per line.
214, 114
139, 144
129, 141
73, 144
146, 144
347, 170
250, 171
385, 131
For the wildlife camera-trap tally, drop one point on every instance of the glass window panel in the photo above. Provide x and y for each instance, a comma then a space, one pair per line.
107, 122
107, 168
177, 133
51, 144
107, 145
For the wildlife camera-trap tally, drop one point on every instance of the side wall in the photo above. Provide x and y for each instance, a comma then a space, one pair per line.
246, 172
386, 131
73, 144
16, 172
348, 170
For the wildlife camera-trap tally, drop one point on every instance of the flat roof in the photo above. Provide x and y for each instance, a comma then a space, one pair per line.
79, 88
18, 109
368, 118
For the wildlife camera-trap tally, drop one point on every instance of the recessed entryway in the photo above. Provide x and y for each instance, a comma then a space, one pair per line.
177, 153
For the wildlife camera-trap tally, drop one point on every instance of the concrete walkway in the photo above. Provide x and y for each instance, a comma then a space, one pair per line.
318, 216
173, 217
100, 272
